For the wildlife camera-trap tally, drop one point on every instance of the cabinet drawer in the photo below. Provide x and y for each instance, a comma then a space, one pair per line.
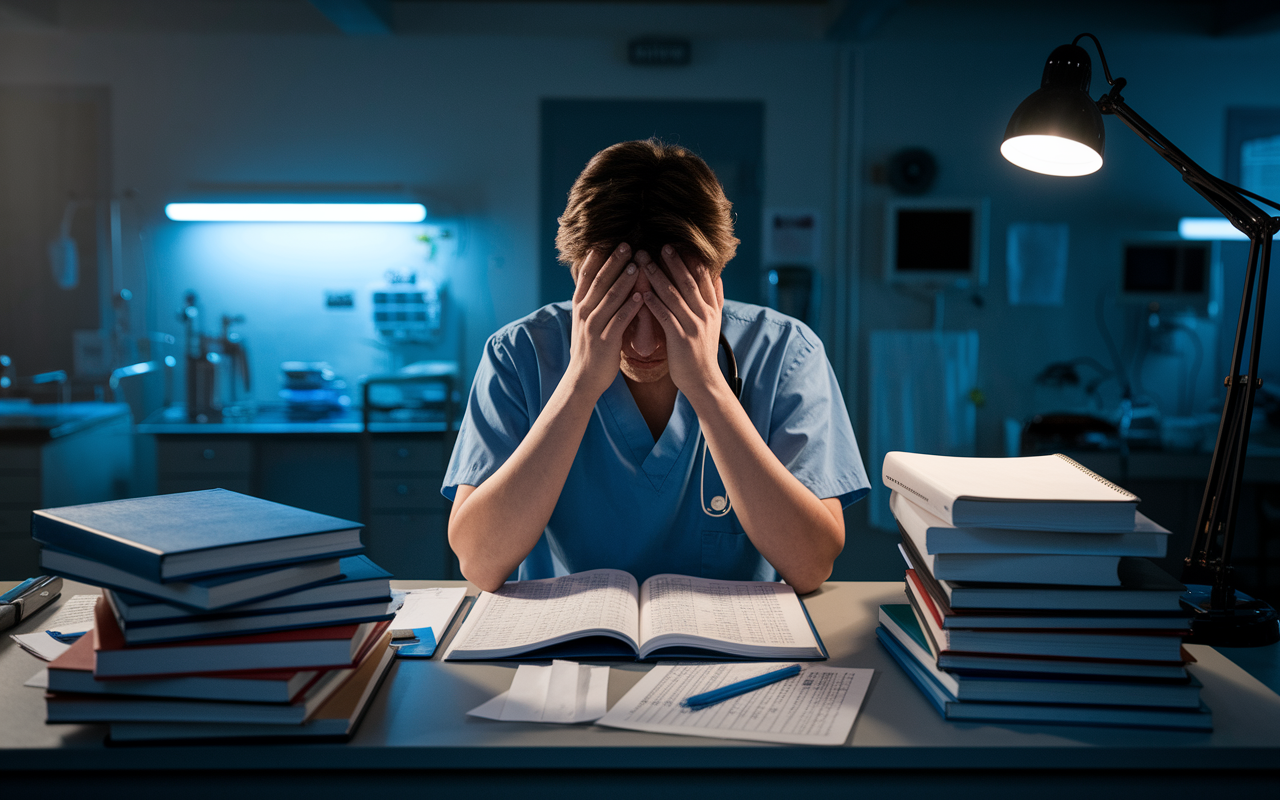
198, 484
204, 455
408, 454
388, 493
15, 521
23, 489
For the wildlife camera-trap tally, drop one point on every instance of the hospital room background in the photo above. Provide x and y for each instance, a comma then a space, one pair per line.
828, 122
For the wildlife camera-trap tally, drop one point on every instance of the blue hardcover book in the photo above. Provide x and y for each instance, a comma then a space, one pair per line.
361, 581
179, 537
206, 626
204, 594
1032, 688
1189, 719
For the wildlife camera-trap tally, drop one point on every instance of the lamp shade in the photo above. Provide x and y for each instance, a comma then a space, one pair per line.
1058, 129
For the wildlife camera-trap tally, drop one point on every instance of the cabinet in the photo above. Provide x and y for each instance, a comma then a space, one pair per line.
407, 517
53, 456
388, 481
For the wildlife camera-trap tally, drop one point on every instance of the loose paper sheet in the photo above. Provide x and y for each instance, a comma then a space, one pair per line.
429, 608
38, 681
565, 692
818, 706
40, 644
75, 616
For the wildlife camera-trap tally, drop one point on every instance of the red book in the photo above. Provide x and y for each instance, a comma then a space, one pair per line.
73, 672
330, 647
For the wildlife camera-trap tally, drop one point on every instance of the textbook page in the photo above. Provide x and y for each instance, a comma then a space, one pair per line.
818, 706
524, 613
743, 612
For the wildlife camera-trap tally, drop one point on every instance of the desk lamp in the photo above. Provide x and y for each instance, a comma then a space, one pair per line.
1058, 131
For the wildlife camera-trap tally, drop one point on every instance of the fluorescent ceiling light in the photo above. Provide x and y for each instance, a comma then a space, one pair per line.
1213, 228
296, 212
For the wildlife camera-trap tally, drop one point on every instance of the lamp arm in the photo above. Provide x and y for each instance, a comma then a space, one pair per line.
1209, 558
1245, 216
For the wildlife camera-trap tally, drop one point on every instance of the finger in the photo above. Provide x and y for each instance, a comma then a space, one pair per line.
707, 287
682, 277
719, 292
669, 295
670, 325
608, 274
618, 294
622, 317
587, 273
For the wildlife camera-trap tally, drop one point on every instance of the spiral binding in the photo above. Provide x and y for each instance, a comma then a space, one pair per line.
1096, 476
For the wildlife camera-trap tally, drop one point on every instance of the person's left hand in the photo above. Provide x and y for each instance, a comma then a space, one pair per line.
687, 306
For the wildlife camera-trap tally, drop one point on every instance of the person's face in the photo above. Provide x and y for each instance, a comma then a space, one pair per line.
644, 343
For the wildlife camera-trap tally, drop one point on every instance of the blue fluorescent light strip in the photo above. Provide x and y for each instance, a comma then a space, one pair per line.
296, 212
1209, 228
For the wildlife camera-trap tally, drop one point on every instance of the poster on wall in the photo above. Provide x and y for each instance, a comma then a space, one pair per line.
791, 236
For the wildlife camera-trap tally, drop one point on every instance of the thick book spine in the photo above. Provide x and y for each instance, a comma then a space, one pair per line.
96, 545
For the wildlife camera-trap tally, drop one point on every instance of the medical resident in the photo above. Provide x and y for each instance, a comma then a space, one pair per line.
605, 432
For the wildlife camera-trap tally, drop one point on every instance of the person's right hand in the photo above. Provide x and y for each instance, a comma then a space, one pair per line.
604, 304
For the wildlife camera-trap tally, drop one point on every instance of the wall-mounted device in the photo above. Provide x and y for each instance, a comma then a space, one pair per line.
407, 309
936, 242
1174, 274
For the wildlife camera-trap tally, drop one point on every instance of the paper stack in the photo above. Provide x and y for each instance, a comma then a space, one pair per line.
1030, 597
222, 616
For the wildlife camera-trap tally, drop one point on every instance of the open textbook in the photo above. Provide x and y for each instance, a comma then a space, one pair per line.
603, 613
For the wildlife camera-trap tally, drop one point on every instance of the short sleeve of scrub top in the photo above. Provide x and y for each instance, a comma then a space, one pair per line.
651, 507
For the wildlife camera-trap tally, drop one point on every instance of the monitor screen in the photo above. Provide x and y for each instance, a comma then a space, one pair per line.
1170, 273
936, 242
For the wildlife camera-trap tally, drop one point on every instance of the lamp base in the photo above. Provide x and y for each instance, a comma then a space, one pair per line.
1251, 623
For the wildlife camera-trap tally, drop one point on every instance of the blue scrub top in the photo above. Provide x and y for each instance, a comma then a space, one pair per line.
631, 503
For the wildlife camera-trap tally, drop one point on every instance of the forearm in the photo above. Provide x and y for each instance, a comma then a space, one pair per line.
497, 523
797, 532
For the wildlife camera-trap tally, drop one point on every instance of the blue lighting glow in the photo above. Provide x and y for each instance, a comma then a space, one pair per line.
296, 212
1209, 228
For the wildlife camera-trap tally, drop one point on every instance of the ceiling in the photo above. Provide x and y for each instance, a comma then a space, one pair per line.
817, 19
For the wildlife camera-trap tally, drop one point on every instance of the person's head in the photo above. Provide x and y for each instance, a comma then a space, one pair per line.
647, 194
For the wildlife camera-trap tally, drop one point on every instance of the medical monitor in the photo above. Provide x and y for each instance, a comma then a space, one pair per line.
936, 242
1170, 273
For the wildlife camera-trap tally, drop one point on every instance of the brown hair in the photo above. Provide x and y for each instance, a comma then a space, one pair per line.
648, 194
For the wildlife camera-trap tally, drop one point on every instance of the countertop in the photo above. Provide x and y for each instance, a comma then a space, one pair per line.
275, 419
22, 421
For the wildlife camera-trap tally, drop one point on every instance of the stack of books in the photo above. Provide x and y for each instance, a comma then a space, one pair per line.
1031, 599
222, 616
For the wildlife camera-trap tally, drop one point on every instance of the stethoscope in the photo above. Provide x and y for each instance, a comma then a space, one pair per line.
720, 504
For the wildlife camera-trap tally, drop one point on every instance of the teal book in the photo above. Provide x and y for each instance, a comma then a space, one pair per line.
189, 535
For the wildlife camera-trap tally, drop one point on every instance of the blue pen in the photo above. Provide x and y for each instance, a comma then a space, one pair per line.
701, 701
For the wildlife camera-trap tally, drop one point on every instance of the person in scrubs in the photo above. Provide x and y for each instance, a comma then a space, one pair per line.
605, 432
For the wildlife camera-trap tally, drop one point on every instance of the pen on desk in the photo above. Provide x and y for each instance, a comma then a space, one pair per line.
700, 701
26, 598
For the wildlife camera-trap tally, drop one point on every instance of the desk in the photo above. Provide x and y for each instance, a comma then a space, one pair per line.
416, 737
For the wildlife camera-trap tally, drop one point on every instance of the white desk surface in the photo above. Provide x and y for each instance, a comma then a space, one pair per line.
417, 722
